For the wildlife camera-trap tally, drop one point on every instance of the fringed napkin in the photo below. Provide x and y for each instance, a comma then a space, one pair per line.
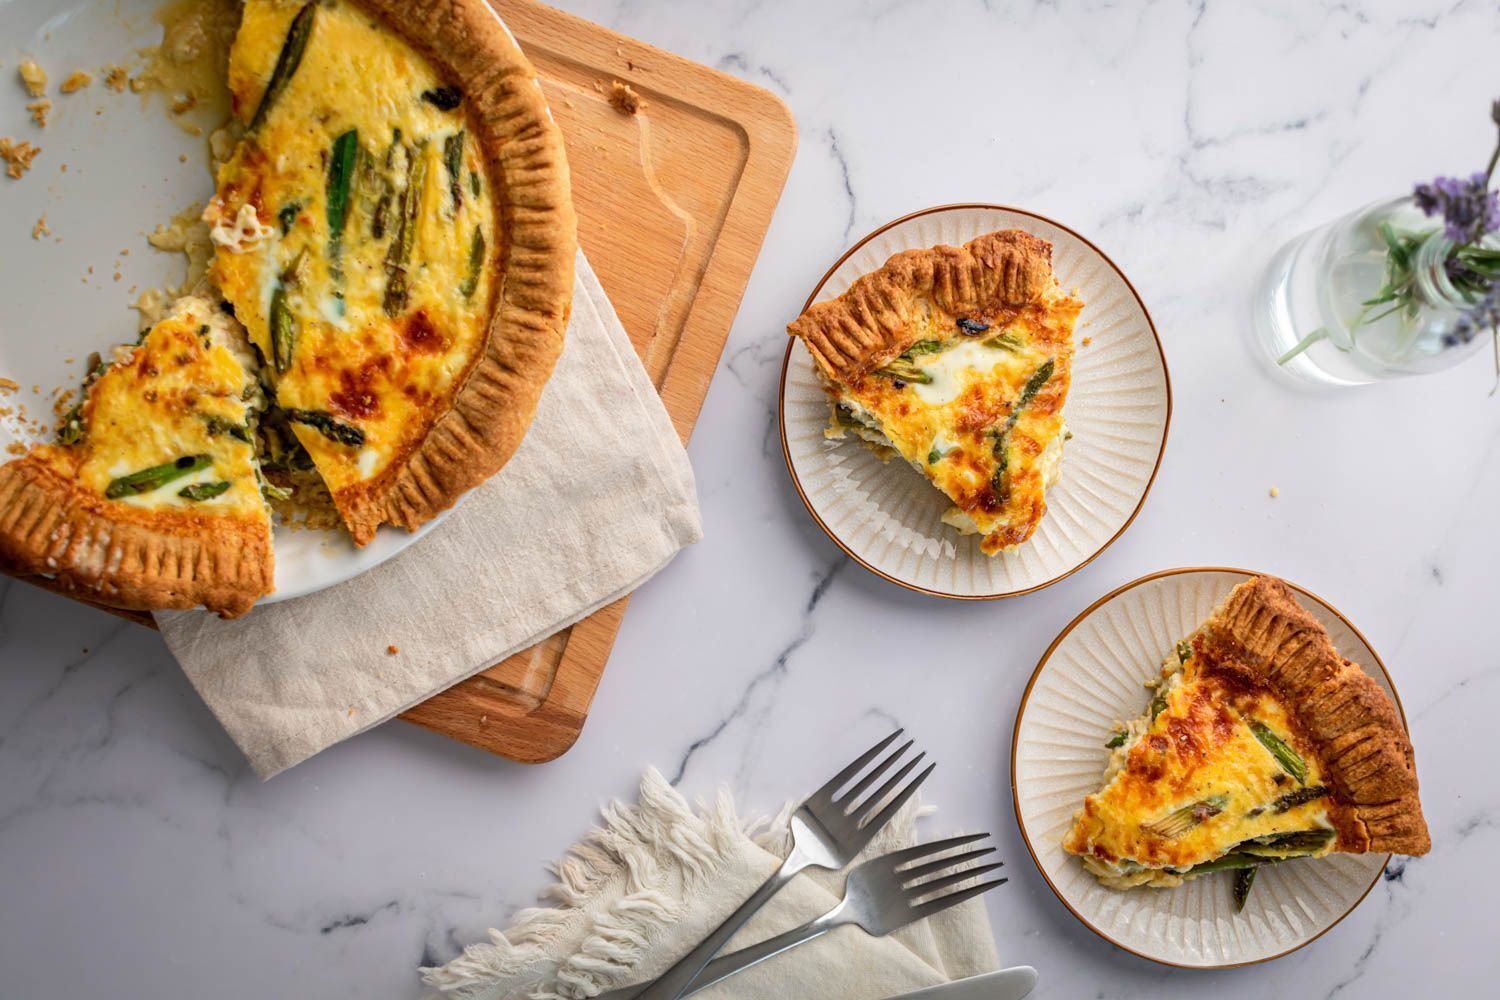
650, 884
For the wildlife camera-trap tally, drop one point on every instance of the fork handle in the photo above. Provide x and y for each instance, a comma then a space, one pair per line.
675, 981
739, 961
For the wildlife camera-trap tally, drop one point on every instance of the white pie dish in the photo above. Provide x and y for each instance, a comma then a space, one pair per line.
128, 169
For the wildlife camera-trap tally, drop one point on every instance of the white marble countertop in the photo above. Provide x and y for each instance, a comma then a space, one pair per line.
140, 858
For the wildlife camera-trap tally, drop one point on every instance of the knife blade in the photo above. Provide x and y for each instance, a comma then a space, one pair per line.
1007, 984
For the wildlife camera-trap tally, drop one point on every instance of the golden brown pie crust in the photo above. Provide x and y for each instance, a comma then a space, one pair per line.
1263, 634
537, 232
128, 557
872, 322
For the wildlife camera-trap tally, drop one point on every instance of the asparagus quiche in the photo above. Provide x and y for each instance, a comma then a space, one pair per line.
1260, 744
393, 244
153, 499
395, 233
957, 359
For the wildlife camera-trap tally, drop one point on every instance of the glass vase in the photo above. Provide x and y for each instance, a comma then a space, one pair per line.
1313, 307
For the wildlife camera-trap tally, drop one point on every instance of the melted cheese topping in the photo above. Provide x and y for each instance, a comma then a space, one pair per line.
385, 369
1199, 748
964, 408
174, 395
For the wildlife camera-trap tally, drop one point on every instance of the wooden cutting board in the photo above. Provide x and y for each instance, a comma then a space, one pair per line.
673, 203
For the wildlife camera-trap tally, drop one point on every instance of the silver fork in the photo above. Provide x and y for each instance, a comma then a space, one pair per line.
828, 831
882, 895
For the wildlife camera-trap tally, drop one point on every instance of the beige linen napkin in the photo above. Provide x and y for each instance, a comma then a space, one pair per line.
641, 891
598, 498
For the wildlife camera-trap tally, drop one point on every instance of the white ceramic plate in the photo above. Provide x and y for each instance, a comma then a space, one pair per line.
125, 174
888, 518
1092, 678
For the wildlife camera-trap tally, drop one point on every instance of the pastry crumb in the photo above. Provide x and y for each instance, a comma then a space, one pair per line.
351, 711
17, 156
1275, 492
8, 385
76, 81
40, 228
484, 720
393, 650
183, 103
116, 78
33, 77
623, 99
39, 110
1087, 341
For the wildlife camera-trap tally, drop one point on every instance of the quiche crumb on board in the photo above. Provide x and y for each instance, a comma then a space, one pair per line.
39, 229
624, 99
39, 110
33, 77
18, 156
76, 81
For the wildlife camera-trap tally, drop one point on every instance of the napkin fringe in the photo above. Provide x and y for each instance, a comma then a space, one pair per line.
635, 843
652, 858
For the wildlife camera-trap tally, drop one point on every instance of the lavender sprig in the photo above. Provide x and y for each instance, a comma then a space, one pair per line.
1469, 209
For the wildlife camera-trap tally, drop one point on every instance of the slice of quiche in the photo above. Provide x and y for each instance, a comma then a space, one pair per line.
1261, 744
155, 502
958, 359
396, 233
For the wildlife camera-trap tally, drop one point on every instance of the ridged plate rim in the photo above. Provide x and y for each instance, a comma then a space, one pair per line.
812, 509
1371, 664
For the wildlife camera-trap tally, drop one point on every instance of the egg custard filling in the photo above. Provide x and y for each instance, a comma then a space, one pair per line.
957, 359
393, 245
1260, 744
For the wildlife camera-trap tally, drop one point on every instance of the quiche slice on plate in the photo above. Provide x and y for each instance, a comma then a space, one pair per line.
957, 359
394, 241
156, 501
1261, 744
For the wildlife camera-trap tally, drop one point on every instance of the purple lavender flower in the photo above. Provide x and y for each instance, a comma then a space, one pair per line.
1468, 209
1483, 315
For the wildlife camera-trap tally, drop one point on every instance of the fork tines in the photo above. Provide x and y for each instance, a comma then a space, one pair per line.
855, 804
921, 878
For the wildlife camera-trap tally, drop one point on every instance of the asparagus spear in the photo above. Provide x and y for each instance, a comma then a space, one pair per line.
330, 428
1291, 762
1117, 740
1000, 481
1179, 821
283, 330
1243, 880
476, 264
453, 159
1184, 650
340, 175
1292, 842
287, 62
903, 371
1229, 862
398, 258
1292, 800
203, 491
155, 477
972, 326
218, 425
287, 217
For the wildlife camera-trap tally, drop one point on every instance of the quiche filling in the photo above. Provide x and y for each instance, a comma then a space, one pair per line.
961, 366
354, 237
170, 422
353, 342
1226, 770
